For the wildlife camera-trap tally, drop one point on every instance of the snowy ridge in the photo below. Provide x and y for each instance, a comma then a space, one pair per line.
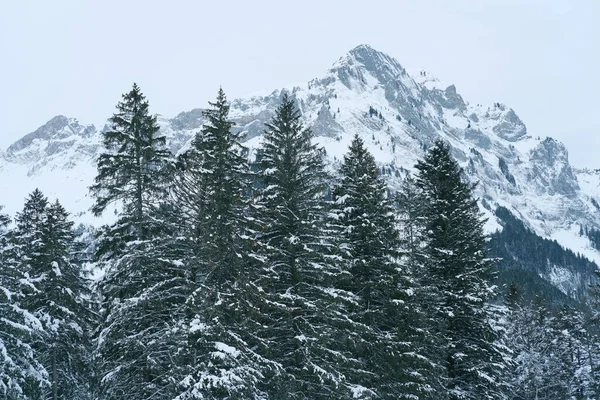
397, 115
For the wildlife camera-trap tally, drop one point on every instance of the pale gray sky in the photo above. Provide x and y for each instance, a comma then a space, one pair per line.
76, 58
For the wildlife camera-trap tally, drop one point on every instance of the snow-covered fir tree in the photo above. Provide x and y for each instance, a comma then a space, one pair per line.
213, 195
386, 312
29, 254
135, 346
130, 169
66, 293
56, 295
20, 368
298, 271
458, 277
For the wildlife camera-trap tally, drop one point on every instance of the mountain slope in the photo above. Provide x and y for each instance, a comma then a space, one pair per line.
398, 116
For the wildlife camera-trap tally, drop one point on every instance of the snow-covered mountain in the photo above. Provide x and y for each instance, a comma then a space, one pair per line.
397, 114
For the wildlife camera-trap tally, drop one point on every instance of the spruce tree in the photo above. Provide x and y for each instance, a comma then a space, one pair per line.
387, 312
140, 342
68, 350
29, 254
131, 169
20, 367
297, 271
458, 276
57, 292
410, 206
211, 194
136, 344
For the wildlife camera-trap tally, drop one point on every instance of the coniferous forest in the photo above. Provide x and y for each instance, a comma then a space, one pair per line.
231, 274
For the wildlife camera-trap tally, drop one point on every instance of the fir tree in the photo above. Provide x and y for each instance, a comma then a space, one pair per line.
44, 242
212, 196
20, 368
30, 257
136, 344
29, 236
391, 346
130, 171
458, 276
140, 341
68, 349
300, 308
408, 205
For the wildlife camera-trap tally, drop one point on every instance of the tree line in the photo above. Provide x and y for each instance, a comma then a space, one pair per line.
232, 274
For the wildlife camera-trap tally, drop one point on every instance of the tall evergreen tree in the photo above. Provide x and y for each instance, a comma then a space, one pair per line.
29, 254
130, 170
212, 193
68, 348
136, 348
296, 276
387, 312
458, 275
20, 368
410, 206
29, 235
56, 295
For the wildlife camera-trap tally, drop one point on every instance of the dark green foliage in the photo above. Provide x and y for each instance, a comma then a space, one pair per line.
56, 295
292, 177
573, 347
525, 257
68, 348
592, 329
297, 269
212, 197
145, 286
224, 178
458, 277
130, 171
386, 320
139, 340
530, 336
19, 366
368, 227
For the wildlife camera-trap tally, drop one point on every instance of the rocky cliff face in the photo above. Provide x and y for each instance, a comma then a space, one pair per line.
398, 115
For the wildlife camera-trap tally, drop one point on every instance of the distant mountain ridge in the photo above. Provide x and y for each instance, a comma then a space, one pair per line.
398, 115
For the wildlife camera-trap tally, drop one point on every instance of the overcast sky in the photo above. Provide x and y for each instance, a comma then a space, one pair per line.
76, 58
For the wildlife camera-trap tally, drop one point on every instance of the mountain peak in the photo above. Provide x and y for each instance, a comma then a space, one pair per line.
46, 131
364, 58
363, 48
59, 128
